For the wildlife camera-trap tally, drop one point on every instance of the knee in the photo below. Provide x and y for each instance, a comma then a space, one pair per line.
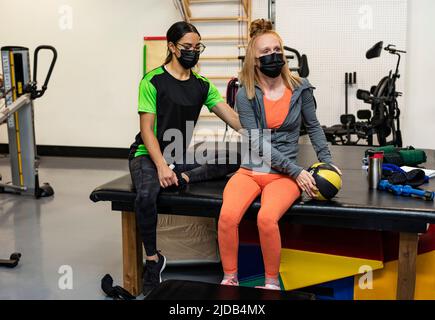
145, 198
228, 220
266, 223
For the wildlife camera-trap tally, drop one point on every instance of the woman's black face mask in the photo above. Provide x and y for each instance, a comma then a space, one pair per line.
188, 58
271, 65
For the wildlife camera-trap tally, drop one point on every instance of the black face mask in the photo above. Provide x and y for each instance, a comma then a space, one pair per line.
271, 65
188, 58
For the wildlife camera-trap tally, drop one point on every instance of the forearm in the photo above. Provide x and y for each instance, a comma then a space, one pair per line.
233, 121
320, 144
152, 145
228, 115
314, 129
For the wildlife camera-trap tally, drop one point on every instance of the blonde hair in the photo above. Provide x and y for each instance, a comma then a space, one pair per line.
249, 75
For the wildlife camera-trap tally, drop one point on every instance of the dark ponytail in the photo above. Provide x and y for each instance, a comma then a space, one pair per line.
176, 32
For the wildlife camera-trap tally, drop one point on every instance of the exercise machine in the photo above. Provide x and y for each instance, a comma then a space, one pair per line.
342, 133
302, 68
383, 100
12, 262
19, 92
383, 119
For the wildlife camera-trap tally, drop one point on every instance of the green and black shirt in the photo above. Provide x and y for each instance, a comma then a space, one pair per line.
174, 102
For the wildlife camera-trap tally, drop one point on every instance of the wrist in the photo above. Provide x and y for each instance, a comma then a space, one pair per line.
297, 173
161, 165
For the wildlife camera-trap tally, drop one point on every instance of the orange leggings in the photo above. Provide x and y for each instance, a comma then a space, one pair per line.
278, 192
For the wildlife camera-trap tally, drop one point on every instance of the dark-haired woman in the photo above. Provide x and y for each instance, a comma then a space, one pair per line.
170, 100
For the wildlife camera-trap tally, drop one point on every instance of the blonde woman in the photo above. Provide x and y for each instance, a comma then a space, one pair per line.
271, 97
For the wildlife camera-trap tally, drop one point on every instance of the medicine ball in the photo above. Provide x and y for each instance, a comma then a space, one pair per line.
328, 180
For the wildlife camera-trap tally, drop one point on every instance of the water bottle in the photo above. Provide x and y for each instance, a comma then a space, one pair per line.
375, 168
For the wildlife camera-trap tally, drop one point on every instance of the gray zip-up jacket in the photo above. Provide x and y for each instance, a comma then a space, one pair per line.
275, 150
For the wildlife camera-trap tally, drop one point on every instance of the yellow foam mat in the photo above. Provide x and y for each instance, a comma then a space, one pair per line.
300, 269
385, 281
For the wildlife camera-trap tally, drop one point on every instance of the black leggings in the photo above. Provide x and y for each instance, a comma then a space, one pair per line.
145, 180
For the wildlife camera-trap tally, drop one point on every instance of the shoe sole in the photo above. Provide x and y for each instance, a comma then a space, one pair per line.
163, 268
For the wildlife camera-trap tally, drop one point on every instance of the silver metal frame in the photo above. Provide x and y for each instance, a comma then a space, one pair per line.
20, 123
271, 8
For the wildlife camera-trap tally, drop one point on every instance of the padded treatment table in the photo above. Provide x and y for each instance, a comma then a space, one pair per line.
355, 207
194, 290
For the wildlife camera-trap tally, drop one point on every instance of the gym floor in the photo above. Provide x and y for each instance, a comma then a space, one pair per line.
69, 230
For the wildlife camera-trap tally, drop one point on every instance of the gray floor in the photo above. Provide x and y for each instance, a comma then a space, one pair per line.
68, 230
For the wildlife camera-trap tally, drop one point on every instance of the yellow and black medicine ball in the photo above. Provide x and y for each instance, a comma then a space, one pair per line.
328, 180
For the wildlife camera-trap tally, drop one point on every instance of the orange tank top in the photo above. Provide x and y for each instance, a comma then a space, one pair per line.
277, 110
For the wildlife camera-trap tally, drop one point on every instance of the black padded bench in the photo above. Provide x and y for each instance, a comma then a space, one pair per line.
355, 207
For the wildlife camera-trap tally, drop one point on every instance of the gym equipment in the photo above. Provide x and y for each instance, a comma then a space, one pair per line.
383, 100
395, 175
350, 80
406, 191
232, 88
19, 93
408, 156
328, 180
383, 119
302, 63
12, 262
342, 133
114, 292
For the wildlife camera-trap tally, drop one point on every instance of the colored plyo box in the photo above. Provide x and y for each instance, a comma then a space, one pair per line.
302, 268
251, 264
341, 289
384, 283
361, 244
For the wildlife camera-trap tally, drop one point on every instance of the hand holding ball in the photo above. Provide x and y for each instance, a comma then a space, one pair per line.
328, 180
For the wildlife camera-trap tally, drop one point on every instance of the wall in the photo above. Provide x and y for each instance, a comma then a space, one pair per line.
335, 35
92, 96
419, 110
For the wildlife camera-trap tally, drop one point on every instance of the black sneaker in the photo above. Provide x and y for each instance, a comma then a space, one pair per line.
153, 273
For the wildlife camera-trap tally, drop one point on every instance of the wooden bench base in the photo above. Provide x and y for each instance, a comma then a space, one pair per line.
406, 273
132, 254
